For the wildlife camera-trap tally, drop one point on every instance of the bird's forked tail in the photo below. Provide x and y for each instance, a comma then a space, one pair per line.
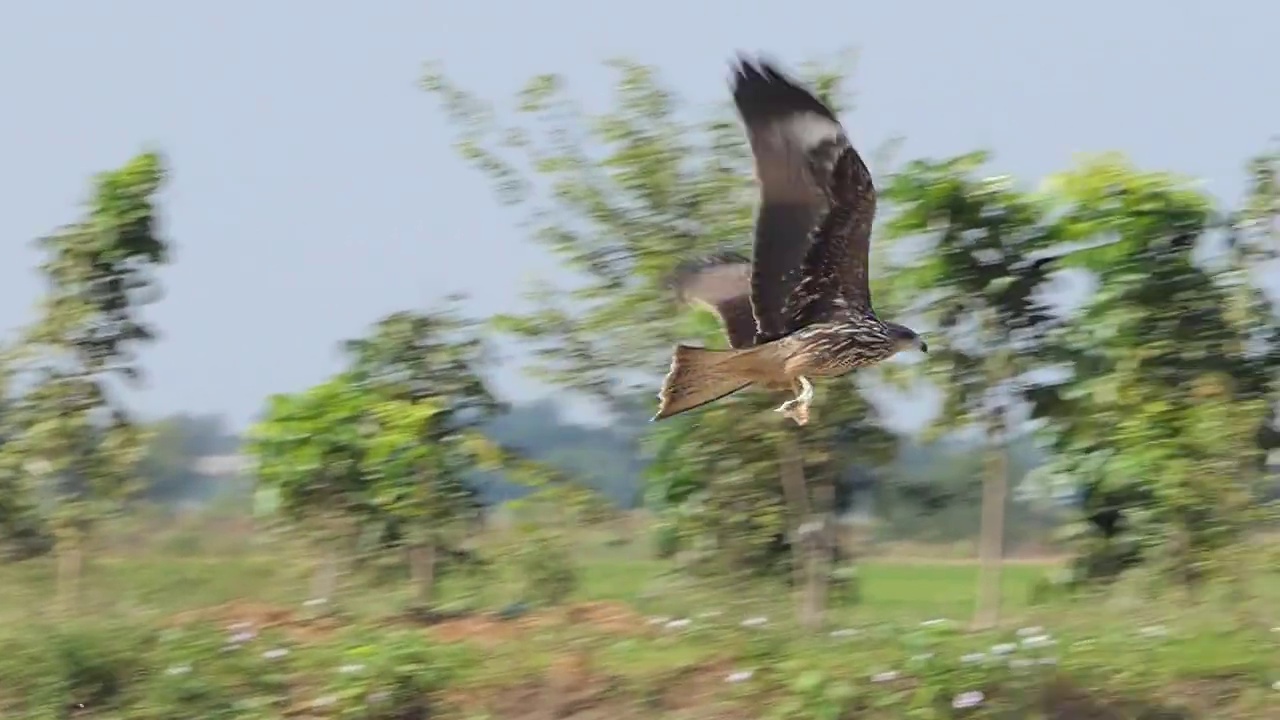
699, 376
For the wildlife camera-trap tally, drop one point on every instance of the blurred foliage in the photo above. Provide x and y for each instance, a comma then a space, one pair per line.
69, 430
1173, 375
621, 199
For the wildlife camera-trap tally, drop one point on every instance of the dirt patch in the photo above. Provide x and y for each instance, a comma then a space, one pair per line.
491, 630
257, 616
570, 688
487, 630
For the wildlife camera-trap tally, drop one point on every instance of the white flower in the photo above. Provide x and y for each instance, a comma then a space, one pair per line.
1036, 641
740, 676
887, 676
351, 668
1276, 686
178, 670
936, 622
1003, 648
678, 624
1154, 631
275, 654
755, 621
659, 620
315, 602
242, 637
922, 657
1028, 631
973, 698
973, 658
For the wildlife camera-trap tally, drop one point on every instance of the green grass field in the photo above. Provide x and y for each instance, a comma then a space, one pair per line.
176, 630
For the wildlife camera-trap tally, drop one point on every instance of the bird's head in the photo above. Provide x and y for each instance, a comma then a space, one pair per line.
904, 338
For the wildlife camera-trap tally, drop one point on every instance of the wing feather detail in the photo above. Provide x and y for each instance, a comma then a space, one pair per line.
834, 277
795, 140
721, 283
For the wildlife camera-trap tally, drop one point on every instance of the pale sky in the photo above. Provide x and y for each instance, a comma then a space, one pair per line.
314, 186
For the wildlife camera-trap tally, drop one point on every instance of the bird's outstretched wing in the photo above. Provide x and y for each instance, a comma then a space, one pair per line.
833, 277
722, 283
796, 140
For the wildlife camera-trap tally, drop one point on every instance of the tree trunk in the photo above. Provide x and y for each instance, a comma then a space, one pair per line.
808, 551
995, 491
422, 571
334, 547
324, 581
796, 496
69, 554
70, 560
818, 544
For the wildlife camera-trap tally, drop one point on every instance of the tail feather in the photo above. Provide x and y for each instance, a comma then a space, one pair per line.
699, 376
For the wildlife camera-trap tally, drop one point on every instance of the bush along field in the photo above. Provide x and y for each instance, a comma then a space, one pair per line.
211, 636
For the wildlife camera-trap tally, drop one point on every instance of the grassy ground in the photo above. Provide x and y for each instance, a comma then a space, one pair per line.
177, 629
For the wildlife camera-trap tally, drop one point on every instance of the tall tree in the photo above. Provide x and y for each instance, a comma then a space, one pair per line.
71, 427
427, 371
621, 199
978, 281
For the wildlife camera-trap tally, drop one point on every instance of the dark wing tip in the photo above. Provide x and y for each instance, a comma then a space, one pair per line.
760, 90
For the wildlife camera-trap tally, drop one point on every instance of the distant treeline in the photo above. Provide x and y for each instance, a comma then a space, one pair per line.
923, 480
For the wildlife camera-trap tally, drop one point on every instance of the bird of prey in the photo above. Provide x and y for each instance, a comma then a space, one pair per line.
801, 307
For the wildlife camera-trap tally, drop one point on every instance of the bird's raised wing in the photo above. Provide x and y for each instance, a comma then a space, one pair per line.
722, 283
795, 140
833, 277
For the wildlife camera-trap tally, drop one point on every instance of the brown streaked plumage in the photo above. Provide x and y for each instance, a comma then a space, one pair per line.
801, 307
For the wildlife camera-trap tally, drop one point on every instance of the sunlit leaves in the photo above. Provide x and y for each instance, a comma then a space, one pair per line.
311, 447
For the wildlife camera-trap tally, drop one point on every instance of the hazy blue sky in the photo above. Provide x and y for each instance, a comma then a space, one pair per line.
314, 185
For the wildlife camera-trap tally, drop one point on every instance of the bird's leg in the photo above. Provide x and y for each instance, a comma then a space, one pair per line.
797, 408
804, 399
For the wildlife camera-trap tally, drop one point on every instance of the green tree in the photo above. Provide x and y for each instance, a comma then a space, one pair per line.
70, 427
1174, 363
621, 199
418, 471
310, 448
395, 440
977, 282
435, 359
438, 356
